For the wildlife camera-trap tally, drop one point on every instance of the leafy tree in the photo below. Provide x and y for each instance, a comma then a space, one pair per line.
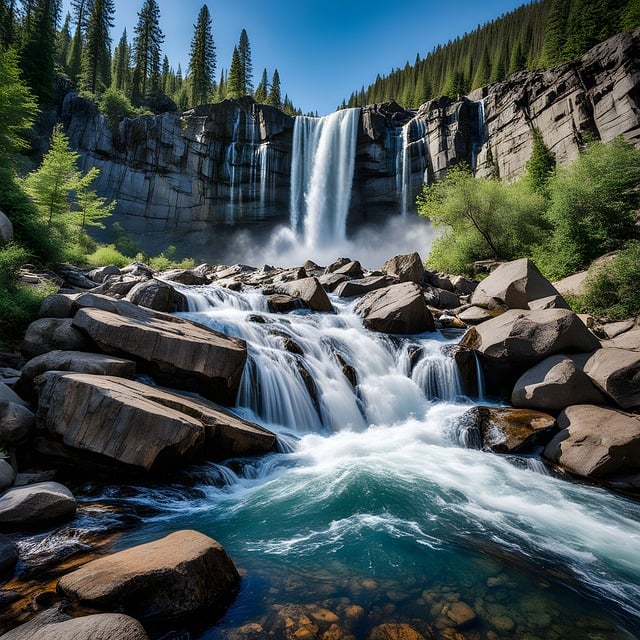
274, 98
18, 108
541, 165
202, 62
592, 205
97, 51
244, 51
262, 90
146, 51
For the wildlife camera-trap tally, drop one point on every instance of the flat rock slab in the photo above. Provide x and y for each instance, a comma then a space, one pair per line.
137, 426
617, 373
352, 288
555, 383
183, 354
36, 506
513, 285
630, 340
474, 315
596, 442
400, 308
55, 625
182, 574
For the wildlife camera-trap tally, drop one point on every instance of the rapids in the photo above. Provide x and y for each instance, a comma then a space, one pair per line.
374, 503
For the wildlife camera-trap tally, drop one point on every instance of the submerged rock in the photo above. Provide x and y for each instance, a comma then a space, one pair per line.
182, 574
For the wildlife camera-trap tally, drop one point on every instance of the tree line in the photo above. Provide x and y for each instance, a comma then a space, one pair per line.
536, 35
77, 53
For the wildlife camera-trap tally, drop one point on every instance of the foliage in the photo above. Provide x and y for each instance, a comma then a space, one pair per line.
202, 61
146, 51
115, 105
120, 65
592, 204
96, 67
262, 90
12, 257
274, 98
107, 254
246, 66
19, 305
612, 288
541, 164
480, 219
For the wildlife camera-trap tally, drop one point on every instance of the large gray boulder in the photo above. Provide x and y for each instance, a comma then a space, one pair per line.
553, 384
6, 229
183, 354
513, 285
521, 338
137, 427
48, 334
617, 373
16, 423
36, 506
183, 574
406, 268
353, 288
630, 340
157, 295
400, 308
52, 624
310, 291
57, 305
596, 442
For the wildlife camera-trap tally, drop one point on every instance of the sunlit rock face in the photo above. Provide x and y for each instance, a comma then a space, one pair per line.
231, 162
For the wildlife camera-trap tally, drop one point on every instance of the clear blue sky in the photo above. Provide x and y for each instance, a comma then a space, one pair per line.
323, 49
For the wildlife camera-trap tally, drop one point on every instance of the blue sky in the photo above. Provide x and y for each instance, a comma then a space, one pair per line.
323, 49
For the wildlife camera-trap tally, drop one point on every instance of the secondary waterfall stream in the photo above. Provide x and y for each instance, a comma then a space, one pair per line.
373, 506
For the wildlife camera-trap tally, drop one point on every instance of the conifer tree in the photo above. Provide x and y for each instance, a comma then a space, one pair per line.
221, 90
8, 35
262, 90
63, 43
482, 76
234, 79
555, 32
541, 165
274, 97
120, 68
96, 67
146, 52
631, 15
244, 51
179, 79
202, 62
166, 70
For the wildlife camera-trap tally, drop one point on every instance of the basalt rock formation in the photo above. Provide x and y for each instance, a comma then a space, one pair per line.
231, 162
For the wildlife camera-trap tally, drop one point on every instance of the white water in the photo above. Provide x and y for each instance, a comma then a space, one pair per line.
480, 133
322, 165
414, 146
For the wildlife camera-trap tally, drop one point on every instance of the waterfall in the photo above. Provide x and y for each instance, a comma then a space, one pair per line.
322, 166
479, 133
414, 147
479, 377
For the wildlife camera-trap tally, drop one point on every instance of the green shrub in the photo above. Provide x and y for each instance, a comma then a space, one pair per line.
12, 257
115, 105
613, 289
19, 307
106, 255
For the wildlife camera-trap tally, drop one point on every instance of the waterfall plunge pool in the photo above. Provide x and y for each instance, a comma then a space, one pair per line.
375, 514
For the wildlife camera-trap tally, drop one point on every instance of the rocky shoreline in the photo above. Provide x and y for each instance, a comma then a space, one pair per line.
82, 405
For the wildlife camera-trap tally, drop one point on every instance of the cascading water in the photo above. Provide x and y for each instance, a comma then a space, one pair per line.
479, 133
377, 510
322, 166
414, 150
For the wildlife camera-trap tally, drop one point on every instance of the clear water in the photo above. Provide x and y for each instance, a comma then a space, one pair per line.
375, 513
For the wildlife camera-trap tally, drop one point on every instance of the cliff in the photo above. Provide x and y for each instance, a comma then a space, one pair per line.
231, 162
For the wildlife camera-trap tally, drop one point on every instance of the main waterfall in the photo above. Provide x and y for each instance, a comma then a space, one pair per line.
322, 165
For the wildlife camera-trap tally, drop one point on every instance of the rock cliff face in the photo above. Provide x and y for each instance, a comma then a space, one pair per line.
231, 162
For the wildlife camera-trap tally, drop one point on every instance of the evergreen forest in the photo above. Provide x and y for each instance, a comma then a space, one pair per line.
537, 35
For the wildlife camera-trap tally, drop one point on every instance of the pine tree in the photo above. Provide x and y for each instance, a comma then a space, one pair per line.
482, 76
631, 15
8, 35
221, 91
63, 43
244, 51
146, 52
274, 97
262, 90
120, 69
38, 53
234, 79
202, 62
96, 72
91, 209
541, 165
166, 71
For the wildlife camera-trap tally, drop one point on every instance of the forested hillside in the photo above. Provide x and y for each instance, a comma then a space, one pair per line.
536, 35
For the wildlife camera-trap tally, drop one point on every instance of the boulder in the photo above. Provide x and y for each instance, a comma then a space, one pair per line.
52, 624
339, 263
137, 427
182, 574
474, 315
118, 286
183, 354
76, 361
463, 286
76, 278
400, 308
352, 288
48, 334
138, 270
352, 269
439, 280
157, 295
7, 475
446, 299
406, 268
553, 384
617, 373
614, 329
102, 273
186, 276
596, 442
16, 423
630, 340
505, 429
36, 506
58, 305
550, 302
574, 285
310, 291
7, 394
513, 285
6, 229
330, 281
282, 303
395, 631
8, 554
521, 339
